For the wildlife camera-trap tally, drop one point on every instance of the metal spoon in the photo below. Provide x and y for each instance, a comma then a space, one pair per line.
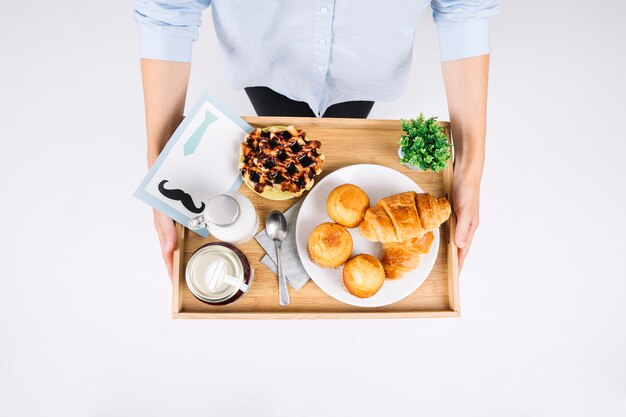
276, 229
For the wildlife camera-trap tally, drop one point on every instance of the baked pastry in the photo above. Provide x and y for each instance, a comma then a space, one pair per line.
432, 211
363, 276
347, 205
278, 162
403, 216
377, 226
402, 257
402, 211
330, 245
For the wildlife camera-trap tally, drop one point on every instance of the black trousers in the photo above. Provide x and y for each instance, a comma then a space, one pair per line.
267, 102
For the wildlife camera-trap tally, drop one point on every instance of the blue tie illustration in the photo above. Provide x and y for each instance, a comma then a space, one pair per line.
194, 140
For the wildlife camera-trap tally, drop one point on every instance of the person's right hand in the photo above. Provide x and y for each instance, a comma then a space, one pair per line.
167, 238
164, 91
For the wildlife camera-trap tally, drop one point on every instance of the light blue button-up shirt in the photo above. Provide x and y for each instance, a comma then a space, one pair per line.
318, 51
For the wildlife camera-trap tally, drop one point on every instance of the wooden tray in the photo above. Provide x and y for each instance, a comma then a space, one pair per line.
344, 142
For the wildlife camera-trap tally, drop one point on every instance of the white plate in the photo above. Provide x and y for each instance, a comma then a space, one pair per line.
378, 182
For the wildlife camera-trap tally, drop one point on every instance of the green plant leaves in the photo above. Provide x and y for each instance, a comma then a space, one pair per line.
424, 144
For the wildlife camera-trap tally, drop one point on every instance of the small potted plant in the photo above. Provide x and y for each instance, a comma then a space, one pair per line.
424, 144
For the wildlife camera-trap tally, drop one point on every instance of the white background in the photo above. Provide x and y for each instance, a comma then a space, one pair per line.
85, 326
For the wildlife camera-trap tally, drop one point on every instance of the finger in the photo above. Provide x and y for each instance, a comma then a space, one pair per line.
470, 234
463, 222
167, 239
168, 257
165, 250
462, 253
168, 230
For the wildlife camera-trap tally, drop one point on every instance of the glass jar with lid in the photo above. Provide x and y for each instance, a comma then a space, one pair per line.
218, 273
229, 216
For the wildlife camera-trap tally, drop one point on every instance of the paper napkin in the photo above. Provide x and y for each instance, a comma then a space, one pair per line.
294, 271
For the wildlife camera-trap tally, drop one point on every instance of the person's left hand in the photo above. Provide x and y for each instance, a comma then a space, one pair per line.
465, 197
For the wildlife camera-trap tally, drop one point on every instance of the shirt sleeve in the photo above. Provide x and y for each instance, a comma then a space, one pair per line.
168, 28
463, 26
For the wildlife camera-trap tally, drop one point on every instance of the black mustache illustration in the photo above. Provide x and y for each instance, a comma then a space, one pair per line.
180, 195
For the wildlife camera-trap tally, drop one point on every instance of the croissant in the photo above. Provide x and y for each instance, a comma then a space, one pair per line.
404, 216
399, 258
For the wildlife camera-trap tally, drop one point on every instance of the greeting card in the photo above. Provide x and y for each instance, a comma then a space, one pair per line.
199, 161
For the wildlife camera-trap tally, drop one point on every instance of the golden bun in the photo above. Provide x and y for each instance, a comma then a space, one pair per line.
347, 205
363, 276
330, 245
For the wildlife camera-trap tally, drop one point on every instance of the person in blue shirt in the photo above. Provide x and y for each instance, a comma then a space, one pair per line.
322, 58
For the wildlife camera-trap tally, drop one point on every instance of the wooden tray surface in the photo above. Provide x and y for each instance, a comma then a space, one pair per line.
344, 142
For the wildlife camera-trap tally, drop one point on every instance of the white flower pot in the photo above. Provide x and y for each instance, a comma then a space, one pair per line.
409, 166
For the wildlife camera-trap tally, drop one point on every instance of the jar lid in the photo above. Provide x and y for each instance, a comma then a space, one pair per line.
222, 210
218, 273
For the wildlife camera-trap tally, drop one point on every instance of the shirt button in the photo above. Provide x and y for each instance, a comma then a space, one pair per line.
324, 9
323, 41
320, 69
